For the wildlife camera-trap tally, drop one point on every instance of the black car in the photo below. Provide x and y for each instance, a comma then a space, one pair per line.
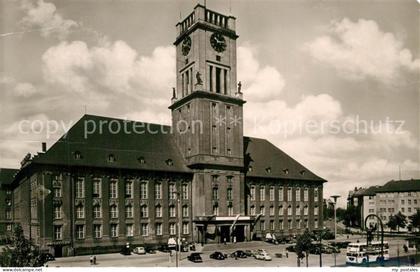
126, 251
150, 250
164, 248
218, 255
195, 258
238, 254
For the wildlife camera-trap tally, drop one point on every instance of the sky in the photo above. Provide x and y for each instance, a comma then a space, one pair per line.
335, 84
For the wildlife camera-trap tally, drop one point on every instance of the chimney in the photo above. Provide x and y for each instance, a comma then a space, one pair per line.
44, 147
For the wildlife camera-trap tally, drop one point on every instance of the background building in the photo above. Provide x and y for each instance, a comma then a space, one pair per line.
98, 187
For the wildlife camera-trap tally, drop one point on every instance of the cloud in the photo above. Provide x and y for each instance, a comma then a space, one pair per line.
259, 83
114, 66
359, 50
44, 16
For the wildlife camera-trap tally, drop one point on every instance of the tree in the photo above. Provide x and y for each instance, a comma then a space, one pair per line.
22, 253
304, 244
392, 222
351, 216
401, 220
415, 220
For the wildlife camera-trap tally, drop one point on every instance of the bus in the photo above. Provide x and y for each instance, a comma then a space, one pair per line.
360, 253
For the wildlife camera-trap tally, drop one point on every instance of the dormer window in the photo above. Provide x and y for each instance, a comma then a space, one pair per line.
302, 172
250, 168
141, 160
286, 171
77, 155
268, 170
169, 162
111, 158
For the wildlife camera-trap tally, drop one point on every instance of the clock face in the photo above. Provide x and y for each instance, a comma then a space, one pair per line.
186, 46
218, 42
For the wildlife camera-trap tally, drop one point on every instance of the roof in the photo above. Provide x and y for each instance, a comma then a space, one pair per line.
367, 191
155, 146
409, 185
263, 159
95, 138
7, 175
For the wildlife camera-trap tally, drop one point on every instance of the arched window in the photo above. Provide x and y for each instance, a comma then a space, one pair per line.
144, 211
114, 211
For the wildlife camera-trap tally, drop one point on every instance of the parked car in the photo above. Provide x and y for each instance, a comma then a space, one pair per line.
263, 256
139, 250
195, 258
150, 250
217, 255
46, 257
125, 251
340, 244
238, 254
325, 249
164, 248
249, 253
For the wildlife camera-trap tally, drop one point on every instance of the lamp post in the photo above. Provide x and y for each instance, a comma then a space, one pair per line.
178, 252
335, 197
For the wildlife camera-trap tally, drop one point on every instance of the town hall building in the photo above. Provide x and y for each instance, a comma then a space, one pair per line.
94, 190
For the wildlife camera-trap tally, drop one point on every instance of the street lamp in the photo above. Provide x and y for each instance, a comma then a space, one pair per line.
335, 197
178, 252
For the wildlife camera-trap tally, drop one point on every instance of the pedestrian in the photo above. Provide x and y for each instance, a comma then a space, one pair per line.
224, 240
94, 259
287, 254
91, 259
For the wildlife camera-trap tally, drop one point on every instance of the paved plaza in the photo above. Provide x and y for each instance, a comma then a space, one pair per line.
165, 260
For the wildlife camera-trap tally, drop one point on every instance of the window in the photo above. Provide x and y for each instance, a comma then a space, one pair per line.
141, 160
80, 188
289, 222
97, 231
57, 212
114, 230
184, 191
316, 223
128, 211
298, 224
281, 224
158, 191
262, 193
111, 158
297, 192
415, 201
77, 155
271, 193
230, 210
229, 180
172, 191
271, 211
305, 210
9, 227
281, 211
298, 210
215, 193
113, 189
80, 231
409, 202
57, 192
172, 229
402, 201
371, 210
129, 189
97, 211
229, 194
114, 211
306, 223
80, 212
409, 209
129, 230
185, 228
216, 210
144, 229
252, 192
263, 225
158, 211
316, 210
58, 232
158, 228
144, 211
316, 194
185, 211
143, 190
172, 211
252, 210
289, 194
402, 209
262, 210
281, 194
97, 187
289, 210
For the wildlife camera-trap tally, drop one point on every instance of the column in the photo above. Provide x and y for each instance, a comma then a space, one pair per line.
191, 80
213, 79
228, 87
209, 78
182, 85
222, 81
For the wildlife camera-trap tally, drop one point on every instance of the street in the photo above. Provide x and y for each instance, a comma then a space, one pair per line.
164, 260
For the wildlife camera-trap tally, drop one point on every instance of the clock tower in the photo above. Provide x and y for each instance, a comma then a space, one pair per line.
207, 115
